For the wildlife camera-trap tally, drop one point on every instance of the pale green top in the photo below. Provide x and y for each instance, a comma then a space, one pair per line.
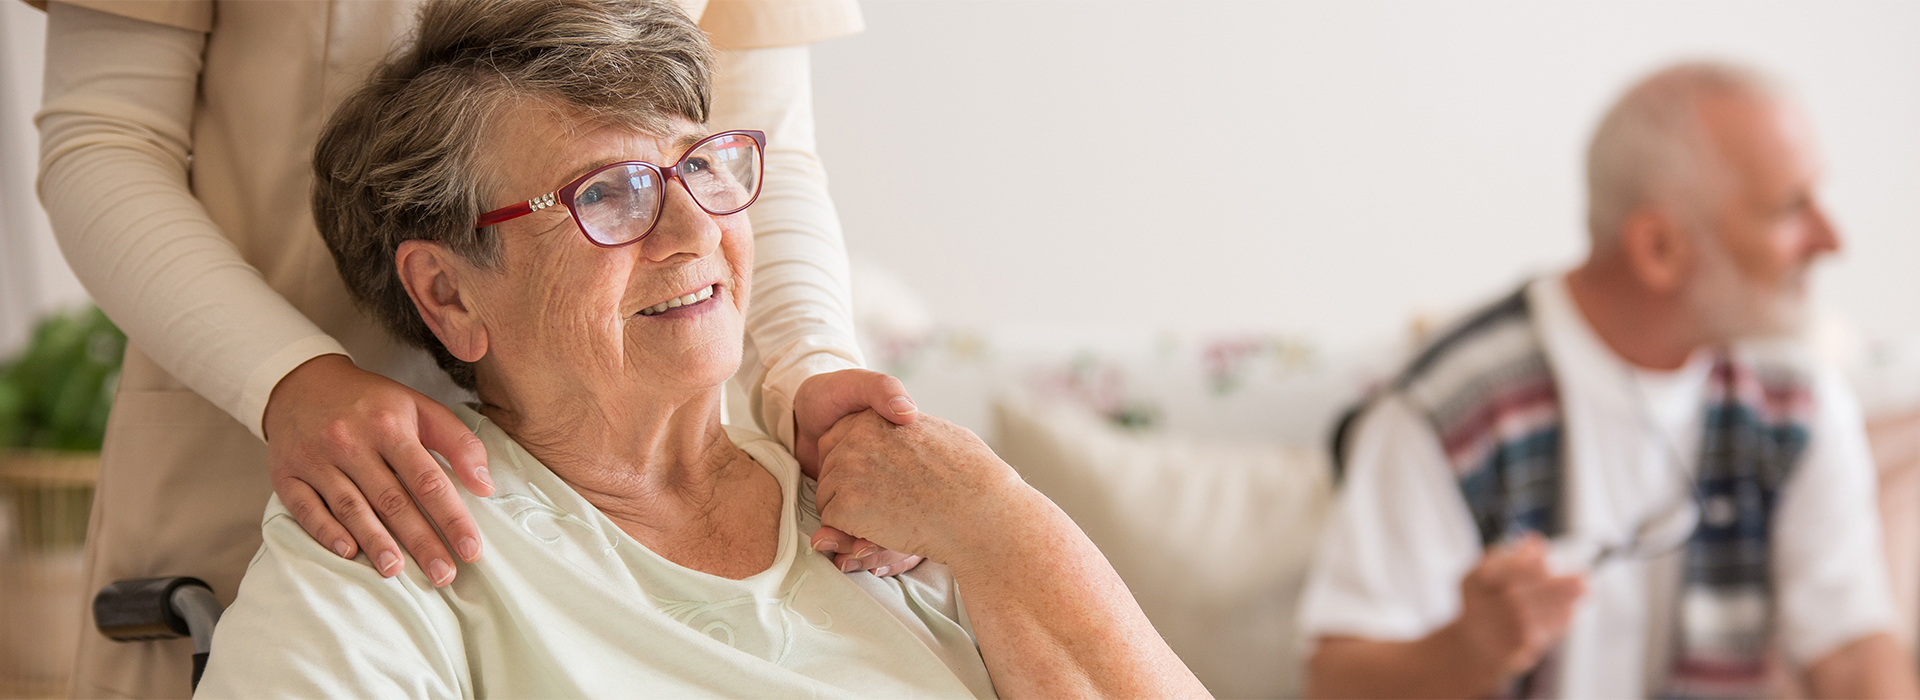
565, 604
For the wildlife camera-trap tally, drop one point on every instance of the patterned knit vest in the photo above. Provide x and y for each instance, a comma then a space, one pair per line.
1489, 392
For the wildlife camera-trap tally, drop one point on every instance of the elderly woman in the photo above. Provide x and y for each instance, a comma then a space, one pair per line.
529, 194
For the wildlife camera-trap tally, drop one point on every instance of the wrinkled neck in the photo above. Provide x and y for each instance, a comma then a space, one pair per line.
618, 450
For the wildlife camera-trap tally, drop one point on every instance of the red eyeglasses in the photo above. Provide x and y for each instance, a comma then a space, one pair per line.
620, 203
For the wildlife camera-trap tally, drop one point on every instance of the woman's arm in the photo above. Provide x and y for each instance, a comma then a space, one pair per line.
116, 136
1051, 616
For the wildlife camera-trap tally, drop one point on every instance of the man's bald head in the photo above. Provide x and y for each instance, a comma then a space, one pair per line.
1654, 148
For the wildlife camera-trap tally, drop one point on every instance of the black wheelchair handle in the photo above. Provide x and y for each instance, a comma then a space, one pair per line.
160, 608
142, 609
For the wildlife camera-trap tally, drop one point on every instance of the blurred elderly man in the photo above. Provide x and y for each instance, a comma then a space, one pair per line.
1622, 480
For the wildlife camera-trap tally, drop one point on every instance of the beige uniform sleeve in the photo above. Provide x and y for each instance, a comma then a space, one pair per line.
801, 319
191, 15
115, 139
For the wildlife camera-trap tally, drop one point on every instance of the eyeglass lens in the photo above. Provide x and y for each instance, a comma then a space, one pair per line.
620, 203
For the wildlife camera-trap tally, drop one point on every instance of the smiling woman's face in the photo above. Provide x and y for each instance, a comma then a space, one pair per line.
571, 319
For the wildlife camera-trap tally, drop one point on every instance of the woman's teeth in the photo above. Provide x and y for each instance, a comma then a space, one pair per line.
704, 294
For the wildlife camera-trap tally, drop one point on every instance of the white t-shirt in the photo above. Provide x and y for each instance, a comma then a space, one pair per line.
1401, 538
566, 604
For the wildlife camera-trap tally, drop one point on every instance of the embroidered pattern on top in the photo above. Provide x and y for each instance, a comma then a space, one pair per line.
525, 508
686, 612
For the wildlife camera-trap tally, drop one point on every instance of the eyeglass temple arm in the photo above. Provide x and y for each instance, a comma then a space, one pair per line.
516, 211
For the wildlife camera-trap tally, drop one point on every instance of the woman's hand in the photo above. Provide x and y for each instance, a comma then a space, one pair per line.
924, 487
1051, 616
342, 441
819, 404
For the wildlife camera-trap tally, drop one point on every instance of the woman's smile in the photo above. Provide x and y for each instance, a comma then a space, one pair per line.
690, 304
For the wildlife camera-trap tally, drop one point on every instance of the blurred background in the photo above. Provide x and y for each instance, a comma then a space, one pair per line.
1343, 175
1324, 167
1149, 249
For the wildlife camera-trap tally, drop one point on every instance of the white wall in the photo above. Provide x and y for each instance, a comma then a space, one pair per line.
1318, 167
34, 278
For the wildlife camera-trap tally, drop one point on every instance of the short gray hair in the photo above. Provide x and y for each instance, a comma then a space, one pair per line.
398, 160
1652, 144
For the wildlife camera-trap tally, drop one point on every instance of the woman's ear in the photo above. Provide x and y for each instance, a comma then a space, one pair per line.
433, 275
1658, 249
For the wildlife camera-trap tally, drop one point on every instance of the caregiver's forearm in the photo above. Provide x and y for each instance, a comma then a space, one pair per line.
1054, 620
801, 321
115, 136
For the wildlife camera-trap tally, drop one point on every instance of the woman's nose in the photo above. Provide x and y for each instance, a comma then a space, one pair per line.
684, 228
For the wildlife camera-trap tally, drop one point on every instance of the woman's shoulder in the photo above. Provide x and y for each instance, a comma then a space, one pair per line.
287, 550
345, 613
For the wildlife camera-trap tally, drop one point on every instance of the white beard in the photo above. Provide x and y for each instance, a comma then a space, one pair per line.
1733, 307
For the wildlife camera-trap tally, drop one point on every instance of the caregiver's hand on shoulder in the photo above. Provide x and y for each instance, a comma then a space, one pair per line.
821, 401
342, 441
926, 487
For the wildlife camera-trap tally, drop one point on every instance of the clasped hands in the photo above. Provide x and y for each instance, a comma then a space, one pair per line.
348, 454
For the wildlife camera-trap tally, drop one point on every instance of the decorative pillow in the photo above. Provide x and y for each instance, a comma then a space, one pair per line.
1212, 537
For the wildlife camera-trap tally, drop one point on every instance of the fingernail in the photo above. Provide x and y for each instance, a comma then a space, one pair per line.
902, 406
388, 563
440, 571
882, 571
469, 549
823, 545
340, 547
851, 566
866, 551
483, 476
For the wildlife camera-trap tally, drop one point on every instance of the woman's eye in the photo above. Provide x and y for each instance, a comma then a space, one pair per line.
592, 194
695, 165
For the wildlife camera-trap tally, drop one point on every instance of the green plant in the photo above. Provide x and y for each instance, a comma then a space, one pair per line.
56, 394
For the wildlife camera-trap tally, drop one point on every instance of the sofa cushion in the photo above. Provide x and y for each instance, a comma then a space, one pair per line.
1212, 537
